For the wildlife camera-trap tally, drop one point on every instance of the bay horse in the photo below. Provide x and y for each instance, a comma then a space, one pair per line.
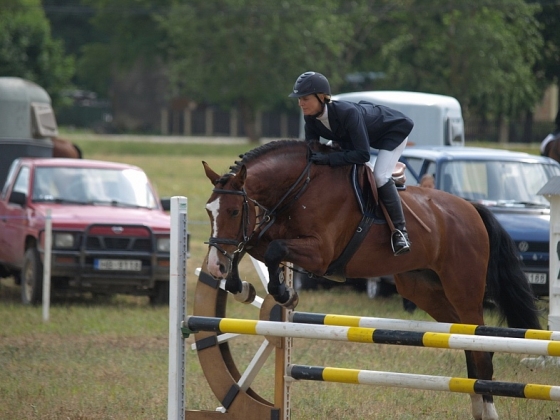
277, 206
65, 148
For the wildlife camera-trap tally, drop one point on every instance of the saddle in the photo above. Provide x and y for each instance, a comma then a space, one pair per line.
365, 190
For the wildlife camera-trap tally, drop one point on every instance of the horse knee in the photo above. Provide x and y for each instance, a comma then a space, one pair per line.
275, 253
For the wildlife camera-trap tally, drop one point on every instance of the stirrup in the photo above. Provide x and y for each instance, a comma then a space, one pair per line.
404, 248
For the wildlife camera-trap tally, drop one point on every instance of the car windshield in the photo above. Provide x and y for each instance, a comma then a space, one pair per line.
111, 187
497, 182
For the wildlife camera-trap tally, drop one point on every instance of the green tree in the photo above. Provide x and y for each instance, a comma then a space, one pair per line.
248, 53
481, 52
126, 60
547, 67
27, 49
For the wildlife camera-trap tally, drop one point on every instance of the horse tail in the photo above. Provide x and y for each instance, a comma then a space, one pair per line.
506, 284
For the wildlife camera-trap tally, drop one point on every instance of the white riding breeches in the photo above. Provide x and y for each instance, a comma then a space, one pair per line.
386, 162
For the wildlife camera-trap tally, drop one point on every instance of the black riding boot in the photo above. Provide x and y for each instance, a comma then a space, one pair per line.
389, 195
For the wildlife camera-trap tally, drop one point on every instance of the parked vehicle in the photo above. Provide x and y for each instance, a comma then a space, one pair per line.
110, 233
507, 182
27, 122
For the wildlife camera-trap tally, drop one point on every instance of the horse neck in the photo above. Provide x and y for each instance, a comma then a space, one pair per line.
268, 183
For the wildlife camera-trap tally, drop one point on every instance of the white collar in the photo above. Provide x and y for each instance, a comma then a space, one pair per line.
324, 117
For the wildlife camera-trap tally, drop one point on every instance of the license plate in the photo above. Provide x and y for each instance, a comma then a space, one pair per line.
536, 278
117, 265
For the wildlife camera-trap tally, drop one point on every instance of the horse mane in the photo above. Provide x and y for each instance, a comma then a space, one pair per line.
257, 152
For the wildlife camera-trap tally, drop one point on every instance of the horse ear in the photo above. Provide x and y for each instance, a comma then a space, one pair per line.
239, 179
212, 176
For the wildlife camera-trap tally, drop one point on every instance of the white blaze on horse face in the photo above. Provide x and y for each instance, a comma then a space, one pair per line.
213, 260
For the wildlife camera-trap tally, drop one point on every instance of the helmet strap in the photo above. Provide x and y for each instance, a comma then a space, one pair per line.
322, 106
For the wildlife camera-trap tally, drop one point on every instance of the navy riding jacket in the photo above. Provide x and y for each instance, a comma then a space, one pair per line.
356, 127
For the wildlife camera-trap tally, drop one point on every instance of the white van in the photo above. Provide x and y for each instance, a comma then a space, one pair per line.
438, 120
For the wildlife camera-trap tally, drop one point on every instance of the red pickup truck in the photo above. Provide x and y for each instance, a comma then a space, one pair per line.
110, 233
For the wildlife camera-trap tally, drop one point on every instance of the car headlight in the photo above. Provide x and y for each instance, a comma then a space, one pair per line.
163, 245
63, 240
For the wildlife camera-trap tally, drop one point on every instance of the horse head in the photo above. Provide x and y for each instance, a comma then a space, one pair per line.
246, 200
231, 217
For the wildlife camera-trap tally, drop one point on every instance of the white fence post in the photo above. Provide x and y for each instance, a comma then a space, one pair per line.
551, 191
47, 266
177, 308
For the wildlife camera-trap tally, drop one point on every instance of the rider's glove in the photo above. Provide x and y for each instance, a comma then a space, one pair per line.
320, 158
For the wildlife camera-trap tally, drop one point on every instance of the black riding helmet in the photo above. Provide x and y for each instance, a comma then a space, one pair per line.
310, 83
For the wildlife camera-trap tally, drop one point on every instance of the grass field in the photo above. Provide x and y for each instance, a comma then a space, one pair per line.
99, 360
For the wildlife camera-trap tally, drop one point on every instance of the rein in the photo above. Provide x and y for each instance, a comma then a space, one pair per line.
268, 217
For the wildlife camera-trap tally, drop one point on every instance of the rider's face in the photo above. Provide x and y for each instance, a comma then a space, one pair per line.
310, 105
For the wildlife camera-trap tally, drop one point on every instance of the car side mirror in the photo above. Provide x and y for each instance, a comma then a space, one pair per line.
166, 203
17, 197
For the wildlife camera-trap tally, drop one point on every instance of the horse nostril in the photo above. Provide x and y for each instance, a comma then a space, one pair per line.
222, 269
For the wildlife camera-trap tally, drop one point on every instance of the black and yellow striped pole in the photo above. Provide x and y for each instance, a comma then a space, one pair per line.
372, 335
425, 382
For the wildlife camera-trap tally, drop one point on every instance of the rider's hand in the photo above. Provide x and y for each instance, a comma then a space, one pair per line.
320, 158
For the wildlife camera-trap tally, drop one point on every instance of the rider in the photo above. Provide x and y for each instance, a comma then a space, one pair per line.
552, 136
356, 127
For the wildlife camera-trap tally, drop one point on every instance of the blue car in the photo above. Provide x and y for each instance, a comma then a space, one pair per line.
505, 181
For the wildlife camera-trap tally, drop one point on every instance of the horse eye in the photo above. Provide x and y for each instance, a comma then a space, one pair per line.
235, 213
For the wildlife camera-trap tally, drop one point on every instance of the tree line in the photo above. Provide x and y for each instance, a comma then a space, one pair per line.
495, 56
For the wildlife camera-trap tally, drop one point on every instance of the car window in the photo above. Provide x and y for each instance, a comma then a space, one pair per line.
431, 168
415, 164
10, 177
22, 181
127, 187
501, 182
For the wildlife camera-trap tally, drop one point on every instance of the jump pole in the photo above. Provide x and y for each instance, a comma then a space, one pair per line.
421, 326
372, 335
424, 382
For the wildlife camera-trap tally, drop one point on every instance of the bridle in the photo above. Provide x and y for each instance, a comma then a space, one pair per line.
216, 242
268, 217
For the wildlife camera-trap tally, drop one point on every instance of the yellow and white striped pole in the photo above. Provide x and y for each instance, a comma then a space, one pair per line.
372, 335
421, 326
425, 382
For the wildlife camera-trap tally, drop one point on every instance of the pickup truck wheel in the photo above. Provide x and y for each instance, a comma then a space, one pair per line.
31, 278
161, 293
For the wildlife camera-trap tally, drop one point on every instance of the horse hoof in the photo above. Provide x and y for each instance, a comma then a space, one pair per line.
293, 299
247, 294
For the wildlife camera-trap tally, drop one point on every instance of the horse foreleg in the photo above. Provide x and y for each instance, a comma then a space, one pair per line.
242, 291
273, 257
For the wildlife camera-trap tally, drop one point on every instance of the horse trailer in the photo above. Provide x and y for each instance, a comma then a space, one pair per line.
27, 122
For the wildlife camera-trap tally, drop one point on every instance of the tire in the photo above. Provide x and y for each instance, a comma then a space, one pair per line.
160, 295
31, 278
